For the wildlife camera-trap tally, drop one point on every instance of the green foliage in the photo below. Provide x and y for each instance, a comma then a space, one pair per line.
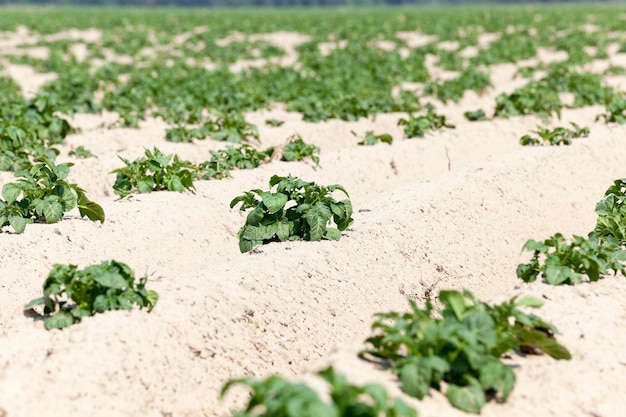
611, 211
70, 294
556, 136
297, 149
475, 115
455, 88
28, 128
418, 126
534, 98
615, 111
274, 122
295, 210
370, 138
45, 196
242, 157
154, 172
228, 127
276, 397
461, 345
82, 152
566, 263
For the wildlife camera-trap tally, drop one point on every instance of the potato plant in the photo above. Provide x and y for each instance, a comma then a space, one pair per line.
417, 126
297, 150
42, 194
275, 396
241, 157
297, 209
555, 137
71, 294
461, 345
154, 172
369, 138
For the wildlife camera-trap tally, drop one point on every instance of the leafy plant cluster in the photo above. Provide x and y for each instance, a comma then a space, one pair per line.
153, 172
70, 294
228, 127
297, 150
297, 209
275, 396
603, 252
417, 126
42, 193
461, 345
534, 98
29, 129
223, 160
370, 138
556, 136
453, 90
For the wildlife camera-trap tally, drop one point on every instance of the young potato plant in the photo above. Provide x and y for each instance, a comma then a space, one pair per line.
566, 263
557, 136
476, 115
611, 211
295, 210
242, 157
370, 139
232, 127
418, 126
534, 98
70, 294
81, 152
615, 112
154, 172
274, 122
461, 345
274, 396
45, 197
297, 150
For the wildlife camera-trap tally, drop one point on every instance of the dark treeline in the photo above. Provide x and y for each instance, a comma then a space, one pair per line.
254, 3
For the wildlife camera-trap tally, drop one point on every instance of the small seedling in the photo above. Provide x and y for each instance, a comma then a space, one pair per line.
274, 122
295, 210
70, 294
370, 138
475, 115
82, 152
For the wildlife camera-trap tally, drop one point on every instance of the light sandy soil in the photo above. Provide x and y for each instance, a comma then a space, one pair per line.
449, 211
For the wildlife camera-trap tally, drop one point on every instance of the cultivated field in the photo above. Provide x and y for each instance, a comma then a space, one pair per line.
442, 193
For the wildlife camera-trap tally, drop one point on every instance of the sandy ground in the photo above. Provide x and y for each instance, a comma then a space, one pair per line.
449, 211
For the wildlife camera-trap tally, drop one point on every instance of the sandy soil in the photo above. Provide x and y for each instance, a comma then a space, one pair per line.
449, 211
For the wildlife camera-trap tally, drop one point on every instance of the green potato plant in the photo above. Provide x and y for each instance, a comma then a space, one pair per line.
460, 345
297, 150
555, 137
566, 263
275, 396
43, 194
418, 126
295, 210
241, 157
611, 211
154, 172
70, 294
370, 139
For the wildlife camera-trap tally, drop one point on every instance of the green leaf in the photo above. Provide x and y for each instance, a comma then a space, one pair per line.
274, 202
93, 211
529, 301
35, 302
111, 280
470, 398
145, 185
332, 233
415, 380
455, 301
52, 211
60, 320
10, 192
19, 223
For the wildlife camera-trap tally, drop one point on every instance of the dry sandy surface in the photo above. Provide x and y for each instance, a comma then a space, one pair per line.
449, 211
